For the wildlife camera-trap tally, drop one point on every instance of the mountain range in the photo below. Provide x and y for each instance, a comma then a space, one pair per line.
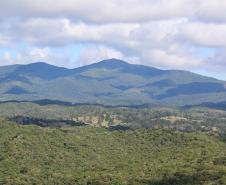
109, 82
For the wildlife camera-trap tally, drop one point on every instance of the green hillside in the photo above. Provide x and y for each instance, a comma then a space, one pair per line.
109, 82
89, 155
173, 118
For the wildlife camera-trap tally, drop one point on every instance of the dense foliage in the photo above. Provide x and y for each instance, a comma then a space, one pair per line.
192, 119
90, 155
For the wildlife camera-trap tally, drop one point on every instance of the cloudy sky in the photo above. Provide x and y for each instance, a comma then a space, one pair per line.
170, 34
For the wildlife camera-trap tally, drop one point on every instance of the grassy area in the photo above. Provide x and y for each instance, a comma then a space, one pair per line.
89, 155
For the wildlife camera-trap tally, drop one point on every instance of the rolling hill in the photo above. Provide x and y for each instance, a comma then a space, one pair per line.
88, 155
109, 82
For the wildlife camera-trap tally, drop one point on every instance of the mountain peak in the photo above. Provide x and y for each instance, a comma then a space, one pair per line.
111, 63
41, 64
111, 81
123, 67
43, 70
114, 60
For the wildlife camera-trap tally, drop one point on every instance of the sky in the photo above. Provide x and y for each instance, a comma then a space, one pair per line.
169, 34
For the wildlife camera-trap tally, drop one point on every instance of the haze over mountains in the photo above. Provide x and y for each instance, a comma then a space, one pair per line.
109, 82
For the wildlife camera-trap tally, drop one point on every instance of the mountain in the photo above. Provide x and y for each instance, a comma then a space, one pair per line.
109, 82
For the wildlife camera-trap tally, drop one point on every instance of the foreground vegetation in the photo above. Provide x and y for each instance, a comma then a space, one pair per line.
90, 155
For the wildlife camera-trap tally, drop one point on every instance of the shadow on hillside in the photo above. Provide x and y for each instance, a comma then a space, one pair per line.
44, 122
218, 105
58, 123
119, 128
183, 179
44, 102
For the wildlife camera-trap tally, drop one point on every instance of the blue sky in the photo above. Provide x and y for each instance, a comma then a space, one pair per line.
176, 34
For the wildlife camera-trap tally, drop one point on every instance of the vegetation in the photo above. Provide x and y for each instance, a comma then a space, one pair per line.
58, 142
91, 155
115, 82
134, 146
189, 120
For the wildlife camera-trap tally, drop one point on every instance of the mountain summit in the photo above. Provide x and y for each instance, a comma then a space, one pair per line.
110, 82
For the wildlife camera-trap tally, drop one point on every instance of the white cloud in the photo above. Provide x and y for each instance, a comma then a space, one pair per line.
33, 55
99, 11
97, 53
142, 41
211, 10
153, 32
57, 32
115, 10
217, 60
24, 57
7, 57
204, 34
165, 59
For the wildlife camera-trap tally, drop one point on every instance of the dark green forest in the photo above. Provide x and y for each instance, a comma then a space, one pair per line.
90, 155
175, 118
99, 145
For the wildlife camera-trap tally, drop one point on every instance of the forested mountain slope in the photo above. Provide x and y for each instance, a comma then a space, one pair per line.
109, 82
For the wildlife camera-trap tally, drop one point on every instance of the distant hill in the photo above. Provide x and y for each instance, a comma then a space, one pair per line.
109, 82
